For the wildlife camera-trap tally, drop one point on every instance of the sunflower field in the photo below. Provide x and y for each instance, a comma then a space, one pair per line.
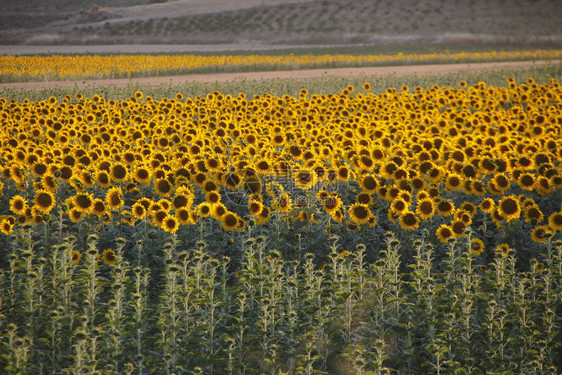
405, 230
61, 67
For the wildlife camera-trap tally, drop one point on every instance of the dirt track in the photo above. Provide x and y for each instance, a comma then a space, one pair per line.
293, 74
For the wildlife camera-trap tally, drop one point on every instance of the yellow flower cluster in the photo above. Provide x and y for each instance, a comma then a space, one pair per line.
103, 66
352, 157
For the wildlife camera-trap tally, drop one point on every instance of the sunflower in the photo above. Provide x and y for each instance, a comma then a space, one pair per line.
213, 197
142, 174
398, 205
492, 188
230, 221
468, 207
526, 181
369, 183
343, 173
372, 221
501, 182
212, 164
170, 224
85, 177
503, 249
98, 207
263, 216
83, 202
6, 227
158, 217
543, 186
127, 217
445, 207
425, 208
102, 178
359, 213
118, 172
364, 198
75, 256
49, 182
163, 187
16, 173
183, 215
165, 204
262, 166
114, 198
421, 195
509, 208
463, 215
331, 203
209, 186
305, 179
337, 215
18, 205
39, 169
75, 215
253, 185
541, 234
487, 205
458, 227
555, 221
435, 174
538, 267
204, 209
444, 233
138, 210
255, 207
556, 181
453, 182
44, 201
232, 180
193, 217
109, 257
218, 210
283, 203
532, 213
409, 221
476, 246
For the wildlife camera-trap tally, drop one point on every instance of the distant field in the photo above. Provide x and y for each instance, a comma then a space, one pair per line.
386, 22
68, 68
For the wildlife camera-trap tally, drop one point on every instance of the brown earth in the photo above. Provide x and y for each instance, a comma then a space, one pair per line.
293, 74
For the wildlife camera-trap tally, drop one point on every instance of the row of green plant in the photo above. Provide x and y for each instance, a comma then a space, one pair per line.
323, 85
174, 309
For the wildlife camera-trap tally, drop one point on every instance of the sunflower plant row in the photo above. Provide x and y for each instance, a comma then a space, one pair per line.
409, 159
61, 67
374, 212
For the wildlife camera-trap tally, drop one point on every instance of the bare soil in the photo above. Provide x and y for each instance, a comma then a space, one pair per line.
293, 74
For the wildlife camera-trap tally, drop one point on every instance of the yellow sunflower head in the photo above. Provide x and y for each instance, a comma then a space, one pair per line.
109, 257
359, 213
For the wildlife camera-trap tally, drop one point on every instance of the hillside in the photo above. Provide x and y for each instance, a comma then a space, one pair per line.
431, 22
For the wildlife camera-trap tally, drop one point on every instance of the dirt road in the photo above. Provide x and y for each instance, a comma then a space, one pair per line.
293, 74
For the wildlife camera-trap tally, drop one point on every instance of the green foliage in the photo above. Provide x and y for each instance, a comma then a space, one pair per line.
268, 313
